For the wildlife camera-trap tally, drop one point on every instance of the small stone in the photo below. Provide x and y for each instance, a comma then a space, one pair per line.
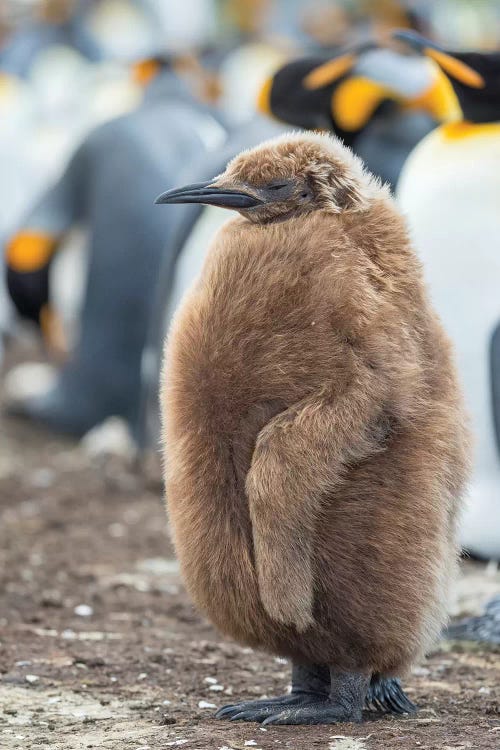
111, 437
210, 680
142, 676
166, 720
42, 478
83, 610
421, 671
31, 678
216, 688
206, 704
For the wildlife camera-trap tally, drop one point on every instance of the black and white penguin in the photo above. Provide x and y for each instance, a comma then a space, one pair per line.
109, 186
450, 190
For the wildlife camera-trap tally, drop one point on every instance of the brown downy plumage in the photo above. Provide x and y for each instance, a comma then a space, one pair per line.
315, 441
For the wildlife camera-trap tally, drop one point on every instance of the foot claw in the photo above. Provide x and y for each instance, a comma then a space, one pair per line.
324, 712
225, 710
259, 710
230, 711
386, 694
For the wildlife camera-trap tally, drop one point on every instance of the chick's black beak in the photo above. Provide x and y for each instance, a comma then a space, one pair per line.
206, 192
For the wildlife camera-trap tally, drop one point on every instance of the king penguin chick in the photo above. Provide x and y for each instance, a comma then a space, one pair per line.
316, 448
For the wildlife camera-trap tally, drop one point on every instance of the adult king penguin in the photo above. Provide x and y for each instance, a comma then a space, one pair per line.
450, 191
379, 101
315, 442
102, 377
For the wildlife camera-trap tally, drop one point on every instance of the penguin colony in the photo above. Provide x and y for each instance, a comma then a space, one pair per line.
315, 441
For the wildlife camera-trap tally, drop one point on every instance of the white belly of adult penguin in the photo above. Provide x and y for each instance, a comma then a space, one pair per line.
450, 190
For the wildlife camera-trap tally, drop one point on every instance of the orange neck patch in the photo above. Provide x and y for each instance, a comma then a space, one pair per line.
455, 131
30, 251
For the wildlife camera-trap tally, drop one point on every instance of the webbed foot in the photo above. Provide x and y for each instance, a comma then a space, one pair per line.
309, 685
319, 696
319, 712
260, 709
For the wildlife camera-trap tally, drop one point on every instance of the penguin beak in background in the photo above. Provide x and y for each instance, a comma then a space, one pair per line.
210, 194
450, 64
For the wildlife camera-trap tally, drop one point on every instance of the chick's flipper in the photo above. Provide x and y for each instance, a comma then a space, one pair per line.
335, 431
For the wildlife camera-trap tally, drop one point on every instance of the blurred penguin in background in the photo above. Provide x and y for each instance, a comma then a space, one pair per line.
108, 187
450, 191
182, 264
53, 91
39, 26
252, 62
380, 102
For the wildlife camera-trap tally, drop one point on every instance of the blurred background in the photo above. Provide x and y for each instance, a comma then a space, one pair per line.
104, 104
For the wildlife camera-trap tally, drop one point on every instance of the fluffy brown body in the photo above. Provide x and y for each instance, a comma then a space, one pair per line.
316, 449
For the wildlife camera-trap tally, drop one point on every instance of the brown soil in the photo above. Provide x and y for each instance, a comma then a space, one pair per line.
131, 675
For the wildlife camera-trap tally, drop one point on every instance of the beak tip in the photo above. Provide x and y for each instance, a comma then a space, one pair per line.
209, 194
160, 199
410, 37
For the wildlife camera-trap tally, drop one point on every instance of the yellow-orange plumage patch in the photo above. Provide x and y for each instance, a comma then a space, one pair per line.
329, 72
30, 251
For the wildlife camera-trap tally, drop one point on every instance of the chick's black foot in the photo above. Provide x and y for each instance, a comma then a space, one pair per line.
258, 710
319, 696
309, 684
324, 712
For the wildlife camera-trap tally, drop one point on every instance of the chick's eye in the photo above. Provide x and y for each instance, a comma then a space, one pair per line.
280, 186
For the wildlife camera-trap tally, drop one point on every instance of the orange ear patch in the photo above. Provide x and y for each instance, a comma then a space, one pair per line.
329, 72
30, 251
355, 100
264, 97
456, 68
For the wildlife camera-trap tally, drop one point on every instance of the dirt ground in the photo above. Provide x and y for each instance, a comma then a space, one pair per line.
101, 648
